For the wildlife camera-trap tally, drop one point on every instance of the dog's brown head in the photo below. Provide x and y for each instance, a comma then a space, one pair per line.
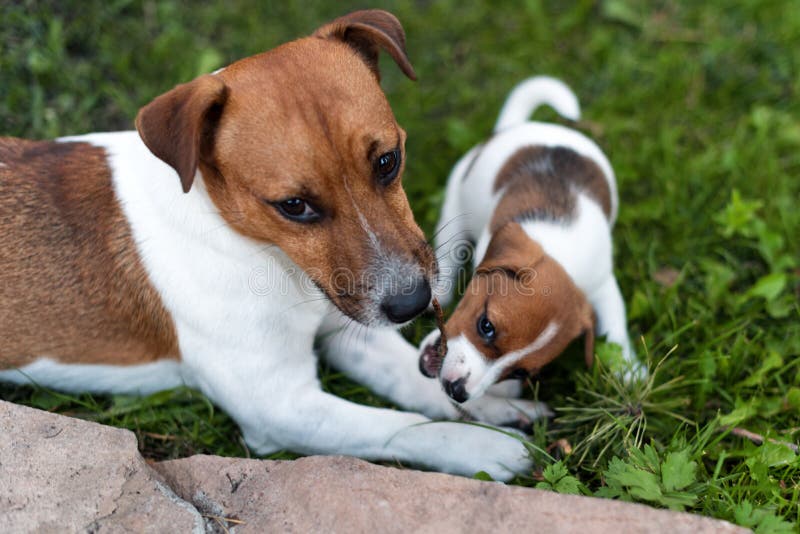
298, 147
519, 312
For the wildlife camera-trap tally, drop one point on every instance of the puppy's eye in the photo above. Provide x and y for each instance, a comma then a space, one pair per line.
297, 210
387, 166
486, 329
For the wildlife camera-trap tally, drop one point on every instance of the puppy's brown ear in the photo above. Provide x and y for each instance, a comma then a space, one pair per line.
367, 31
178, 126
588, 334
512, 249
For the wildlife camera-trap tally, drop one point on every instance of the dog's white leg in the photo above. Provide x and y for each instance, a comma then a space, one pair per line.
612, 322
314, 422
388, 364
276, 399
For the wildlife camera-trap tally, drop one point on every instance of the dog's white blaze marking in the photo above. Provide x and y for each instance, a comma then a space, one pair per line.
392, 271
219, 70
373, 239
507, 360
463, 360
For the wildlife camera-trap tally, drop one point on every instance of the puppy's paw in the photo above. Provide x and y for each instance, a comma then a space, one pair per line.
634, 373
518, 413
633, 370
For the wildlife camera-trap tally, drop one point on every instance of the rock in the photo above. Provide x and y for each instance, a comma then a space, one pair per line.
337, 494
59, 474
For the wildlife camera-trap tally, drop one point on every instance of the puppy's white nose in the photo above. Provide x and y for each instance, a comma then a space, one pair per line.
408, 302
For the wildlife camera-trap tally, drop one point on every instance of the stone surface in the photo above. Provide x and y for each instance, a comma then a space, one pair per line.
59, 474
337, 494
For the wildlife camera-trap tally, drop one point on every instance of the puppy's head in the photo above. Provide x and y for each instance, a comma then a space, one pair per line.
519, 312
299, 148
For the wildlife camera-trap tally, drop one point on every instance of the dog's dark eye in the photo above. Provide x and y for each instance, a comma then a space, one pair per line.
297, 210
486, 329
386, 167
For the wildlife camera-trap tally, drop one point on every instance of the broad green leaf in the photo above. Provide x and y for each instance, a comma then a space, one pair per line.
772, 361
738, 216
558, 479
639, 483
759, 519
742, 412
569, 484
768, 286
743, 514
776, 454
678, 500
793, 398
610, 356
554, 472
677, 471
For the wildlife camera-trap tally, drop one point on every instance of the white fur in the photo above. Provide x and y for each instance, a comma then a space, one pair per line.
465, 361
470, 200
135, 379
246, 319
532, 93
582, 246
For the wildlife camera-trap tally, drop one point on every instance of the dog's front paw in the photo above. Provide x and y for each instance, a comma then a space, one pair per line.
503, 411
472, 448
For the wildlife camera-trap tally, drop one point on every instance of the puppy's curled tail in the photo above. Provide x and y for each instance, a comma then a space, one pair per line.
532, 93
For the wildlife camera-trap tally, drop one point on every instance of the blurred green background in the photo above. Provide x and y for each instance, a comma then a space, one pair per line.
696, 105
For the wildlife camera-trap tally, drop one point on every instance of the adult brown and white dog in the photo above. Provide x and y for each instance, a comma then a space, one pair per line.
256, 209
540, 200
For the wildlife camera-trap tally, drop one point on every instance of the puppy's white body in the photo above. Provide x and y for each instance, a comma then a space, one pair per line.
581, 245
246, 319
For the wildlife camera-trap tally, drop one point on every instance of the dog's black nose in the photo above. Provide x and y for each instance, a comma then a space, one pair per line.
408, 302
457, 390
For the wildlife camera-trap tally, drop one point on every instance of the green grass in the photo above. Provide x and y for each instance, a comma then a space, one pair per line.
696, 104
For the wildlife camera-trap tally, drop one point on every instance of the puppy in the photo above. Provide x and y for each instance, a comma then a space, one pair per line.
256, 209
540, 200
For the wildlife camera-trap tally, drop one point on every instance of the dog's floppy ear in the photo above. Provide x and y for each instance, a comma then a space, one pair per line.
512, 249
178, 125
367, 31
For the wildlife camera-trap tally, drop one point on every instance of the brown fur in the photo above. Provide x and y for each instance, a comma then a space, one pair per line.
521, 289
71, 283
541, 182
291, 126
307, 119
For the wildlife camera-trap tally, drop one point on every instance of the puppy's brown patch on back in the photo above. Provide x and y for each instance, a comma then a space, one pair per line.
72, 286
541, 182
